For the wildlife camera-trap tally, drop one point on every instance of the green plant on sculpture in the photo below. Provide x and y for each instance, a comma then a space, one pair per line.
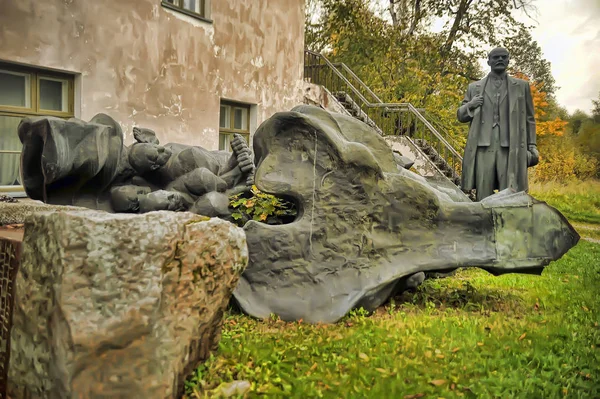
261, 207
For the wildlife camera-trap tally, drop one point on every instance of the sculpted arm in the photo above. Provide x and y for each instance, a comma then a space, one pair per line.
530, 113
532, 152
467, 107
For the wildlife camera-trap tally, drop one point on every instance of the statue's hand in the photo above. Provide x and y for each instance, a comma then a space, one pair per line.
533, 156
242, 151
475, 102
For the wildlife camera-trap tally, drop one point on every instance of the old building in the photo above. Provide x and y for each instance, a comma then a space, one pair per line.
195, 71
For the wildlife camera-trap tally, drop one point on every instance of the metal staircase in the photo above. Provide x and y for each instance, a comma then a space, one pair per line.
398, 119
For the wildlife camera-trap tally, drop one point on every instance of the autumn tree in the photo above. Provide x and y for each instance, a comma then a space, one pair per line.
561, 155
596, 109
391, 45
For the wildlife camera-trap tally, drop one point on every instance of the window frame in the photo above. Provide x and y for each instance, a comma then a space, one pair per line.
231, 129
14, 108
204, 7
34, 109
34, 85
70, 95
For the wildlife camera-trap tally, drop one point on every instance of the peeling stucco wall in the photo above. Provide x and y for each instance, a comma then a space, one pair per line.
149, 66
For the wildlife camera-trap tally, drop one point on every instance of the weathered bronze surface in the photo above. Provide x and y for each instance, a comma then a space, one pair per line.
502, 143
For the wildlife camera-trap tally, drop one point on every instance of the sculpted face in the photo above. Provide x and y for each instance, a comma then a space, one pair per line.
146, 157
498, 60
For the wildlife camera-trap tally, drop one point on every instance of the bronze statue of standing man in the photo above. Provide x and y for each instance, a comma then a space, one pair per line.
501, 144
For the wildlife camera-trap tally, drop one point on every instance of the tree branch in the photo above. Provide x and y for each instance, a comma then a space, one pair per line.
416, 17
460, 13
393, 14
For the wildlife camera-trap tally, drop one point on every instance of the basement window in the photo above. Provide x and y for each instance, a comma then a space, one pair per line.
233, 118
25, 91
199, 9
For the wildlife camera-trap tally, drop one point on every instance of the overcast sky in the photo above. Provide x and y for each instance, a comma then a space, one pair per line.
568, 31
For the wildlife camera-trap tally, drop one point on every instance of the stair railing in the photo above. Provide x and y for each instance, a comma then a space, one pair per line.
390, 118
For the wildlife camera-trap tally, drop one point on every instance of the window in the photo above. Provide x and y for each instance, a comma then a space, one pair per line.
195, 8
233, 118
27, 92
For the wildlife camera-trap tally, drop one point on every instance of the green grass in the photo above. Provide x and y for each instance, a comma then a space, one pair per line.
578, 201
588, 231
472, 335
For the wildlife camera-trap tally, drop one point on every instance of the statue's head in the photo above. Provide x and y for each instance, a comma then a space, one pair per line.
498, 59
147, 157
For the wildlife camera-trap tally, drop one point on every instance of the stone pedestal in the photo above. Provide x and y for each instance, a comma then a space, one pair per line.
119, 306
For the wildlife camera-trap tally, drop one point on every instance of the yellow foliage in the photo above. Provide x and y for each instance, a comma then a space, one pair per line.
560, 157
555, 127
557, 161
562, 160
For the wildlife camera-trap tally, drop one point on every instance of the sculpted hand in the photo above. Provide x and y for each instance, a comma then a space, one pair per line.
242, 152
533, 156
477, 101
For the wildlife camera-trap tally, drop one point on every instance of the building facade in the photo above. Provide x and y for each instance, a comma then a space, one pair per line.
194, 71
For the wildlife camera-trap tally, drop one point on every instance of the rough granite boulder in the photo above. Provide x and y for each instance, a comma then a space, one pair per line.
17, 212
117, 305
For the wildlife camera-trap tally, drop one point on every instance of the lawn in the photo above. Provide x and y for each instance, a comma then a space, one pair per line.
472, 335
578, 201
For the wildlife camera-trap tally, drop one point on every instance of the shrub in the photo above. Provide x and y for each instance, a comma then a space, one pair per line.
562, 160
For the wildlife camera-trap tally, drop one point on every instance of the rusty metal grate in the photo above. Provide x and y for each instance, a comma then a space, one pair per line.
10, 254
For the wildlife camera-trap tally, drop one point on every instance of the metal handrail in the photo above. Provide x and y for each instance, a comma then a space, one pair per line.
337, 72
381, 104
423, 155
434, 131
363, 84
439, 127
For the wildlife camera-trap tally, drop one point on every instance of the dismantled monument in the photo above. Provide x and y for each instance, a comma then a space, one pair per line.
366, 226
72, 162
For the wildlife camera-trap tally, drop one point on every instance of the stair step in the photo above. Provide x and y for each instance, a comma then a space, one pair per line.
430, 151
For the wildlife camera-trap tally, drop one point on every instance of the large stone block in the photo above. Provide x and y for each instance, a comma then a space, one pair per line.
17, 212
119, 306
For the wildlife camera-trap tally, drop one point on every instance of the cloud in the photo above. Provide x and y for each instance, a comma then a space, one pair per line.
568, 31
587, 7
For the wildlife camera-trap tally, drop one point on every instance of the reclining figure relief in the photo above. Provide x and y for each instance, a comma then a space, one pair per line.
77, 163
366, 226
